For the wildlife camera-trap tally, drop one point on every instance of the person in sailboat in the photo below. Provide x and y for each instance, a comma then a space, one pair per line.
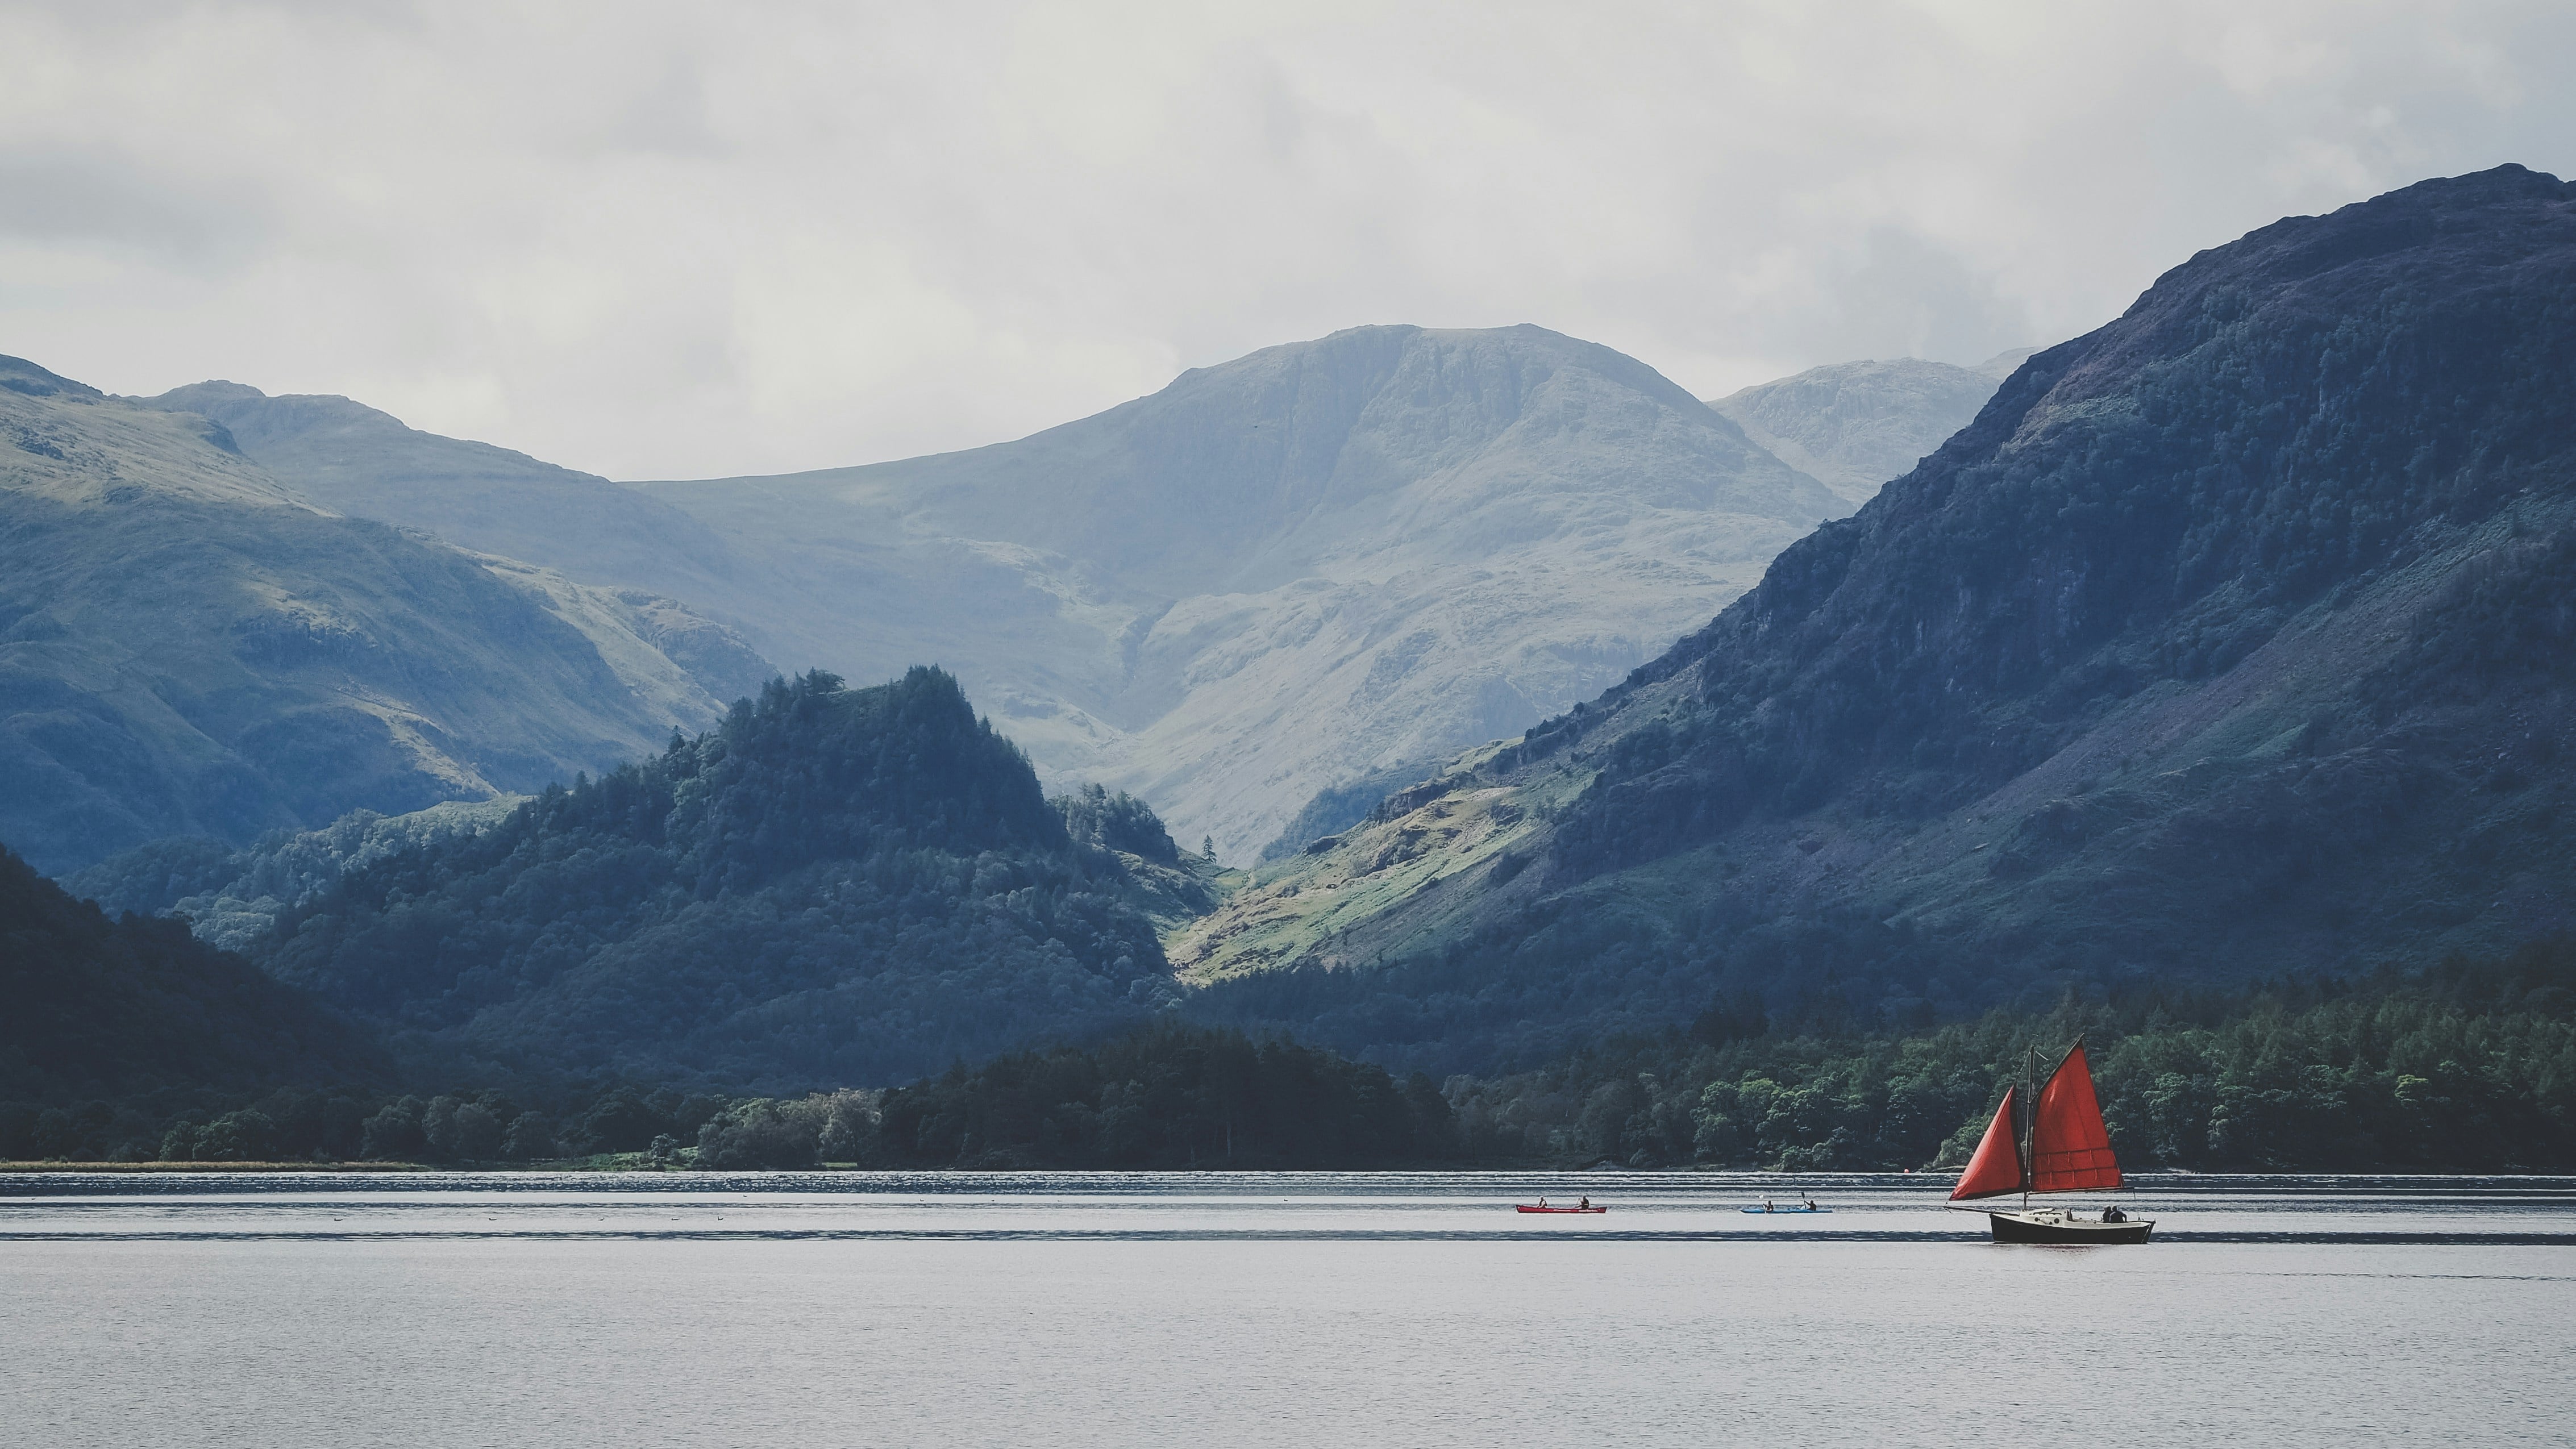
2112, 1214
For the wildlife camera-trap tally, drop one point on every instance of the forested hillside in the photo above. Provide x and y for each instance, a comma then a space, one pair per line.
2231, 638
94, 1008
834, 886
232, 896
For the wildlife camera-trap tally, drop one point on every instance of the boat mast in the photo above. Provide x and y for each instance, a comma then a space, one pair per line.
2030, 1118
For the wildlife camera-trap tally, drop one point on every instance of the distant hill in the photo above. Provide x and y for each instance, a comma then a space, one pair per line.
835, 886
189, 646
352, 459
98, 1008
1855, 425
2233, 638
1264, 591
1280, 575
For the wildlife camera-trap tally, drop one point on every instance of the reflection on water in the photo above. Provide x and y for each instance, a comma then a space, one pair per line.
1221, 1206
936, 1309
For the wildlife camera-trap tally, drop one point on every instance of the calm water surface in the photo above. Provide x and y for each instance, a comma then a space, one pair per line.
1318, 1309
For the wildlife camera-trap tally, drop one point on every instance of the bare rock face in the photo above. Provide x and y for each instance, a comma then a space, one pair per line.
1284, 574
2230, 639
189, 646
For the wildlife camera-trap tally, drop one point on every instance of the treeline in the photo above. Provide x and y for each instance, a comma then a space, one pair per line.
1167, 1096
349, 1123
2469, 1067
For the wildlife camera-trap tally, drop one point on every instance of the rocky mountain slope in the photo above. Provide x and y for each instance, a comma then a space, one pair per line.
2233, 638
1854, 425
1280, 575
190, 647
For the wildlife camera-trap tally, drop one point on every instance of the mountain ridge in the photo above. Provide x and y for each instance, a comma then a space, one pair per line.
2222, 641
1323, 560
189, 646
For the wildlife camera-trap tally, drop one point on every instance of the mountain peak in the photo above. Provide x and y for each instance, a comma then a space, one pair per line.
1292, 570
1854, 425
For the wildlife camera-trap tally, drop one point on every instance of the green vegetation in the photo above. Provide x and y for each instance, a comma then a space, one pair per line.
833, 886
232, 897
187, 648
1170, 1096
97, 1009
2464, 1068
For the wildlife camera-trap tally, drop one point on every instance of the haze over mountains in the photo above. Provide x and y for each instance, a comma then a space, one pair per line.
2232, 638
1280, 574
1320, 568
190, 647
1854, 425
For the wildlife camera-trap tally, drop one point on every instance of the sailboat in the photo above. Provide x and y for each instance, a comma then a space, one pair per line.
2056, 1143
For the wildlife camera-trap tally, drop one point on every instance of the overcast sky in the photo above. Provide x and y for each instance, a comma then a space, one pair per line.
679, 240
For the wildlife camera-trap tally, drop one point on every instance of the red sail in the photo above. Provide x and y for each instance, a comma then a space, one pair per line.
1996, 1169
2070, 1151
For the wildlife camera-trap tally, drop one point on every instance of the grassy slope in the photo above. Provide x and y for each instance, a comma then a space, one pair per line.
188, 648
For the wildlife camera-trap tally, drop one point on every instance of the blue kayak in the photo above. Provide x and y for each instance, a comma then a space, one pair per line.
1776, 1212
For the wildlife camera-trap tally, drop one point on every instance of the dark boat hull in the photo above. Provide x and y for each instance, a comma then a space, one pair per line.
2056, 1227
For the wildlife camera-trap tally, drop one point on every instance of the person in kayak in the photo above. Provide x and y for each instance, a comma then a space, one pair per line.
1766, 1204
1811, 1204
1583, 1205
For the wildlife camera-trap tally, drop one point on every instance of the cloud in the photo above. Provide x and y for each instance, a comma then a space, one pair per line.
663, 239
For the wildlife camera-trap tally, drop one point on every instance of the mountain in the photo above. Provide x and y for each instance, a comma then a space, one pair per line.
2231, 639
113, 1008
1283, 574
190, 647
1854, 425
351, 459
833, 886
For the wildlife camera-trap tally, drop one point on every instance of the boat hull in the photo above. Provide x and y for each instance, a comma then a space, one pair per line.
2052, 1226
1525, 1208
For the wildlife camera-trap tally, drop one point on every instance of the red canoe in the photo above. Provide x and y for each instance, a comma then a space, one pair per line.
1522, 1207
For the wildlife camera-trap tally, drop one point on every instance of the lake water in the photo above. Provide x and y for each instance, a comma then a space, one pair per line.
1253, 1309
